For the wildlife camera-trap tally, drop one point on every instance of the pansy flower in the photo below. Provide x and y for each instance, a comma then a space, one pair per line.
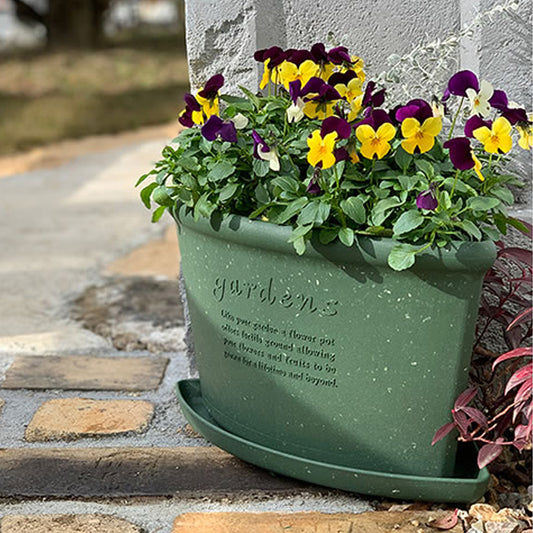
320, 100
321, 58
271, 59
525, 131
375, 142
289, 72
427, 199
265, 152
321, 149
459, 83
295, 110
207, 97
371, 98
496, 139
475, 122
419, 126
462, 156
192, 114
480, 100
348, 85
215, 128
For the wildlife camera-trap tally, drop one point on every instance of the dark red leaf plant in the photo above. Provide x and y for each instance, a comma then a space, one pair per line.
502, 385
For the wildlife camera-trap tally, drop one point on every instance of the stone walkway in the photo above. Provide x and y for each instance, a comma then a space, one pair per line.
91, 346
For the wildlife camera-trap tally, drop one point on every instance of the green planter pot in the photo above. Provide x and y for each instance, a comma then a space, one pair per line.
331, 356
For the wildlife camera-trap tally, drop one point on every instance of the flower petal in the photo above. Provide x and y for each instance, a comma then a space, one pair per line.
461, 81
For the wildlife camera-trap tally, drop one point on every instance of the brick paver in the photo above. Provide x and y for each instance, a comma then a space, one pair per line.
85, 373
129, 471
372, 522
73, 418
66, 524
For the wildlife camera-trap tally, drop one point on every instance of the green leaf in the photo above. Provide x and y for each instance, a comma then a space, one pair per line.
291, 210
346, 236
354, 208
158, 213
260, 167
408, 221
261, 194
492, 233
190, 164
142, 178
402, 257
228, 191
480, 203
445, 200
504, 194
471, 229
286, 183
251, 96
160, 195
299, 245
408, 183
308, 213
327, 235
238, 102
300, 231
383, 209
402, 158
426, 167
220, 170
204, 207
146, 193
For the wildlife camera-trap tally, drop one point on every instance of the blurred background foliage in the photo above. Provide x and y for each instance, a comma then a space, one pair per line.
71, 68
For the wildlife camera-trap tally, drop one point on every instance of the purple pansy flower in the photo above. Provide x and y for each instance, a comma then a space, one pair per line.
374, 118
475, 122
212, 87
337, 124
295, 90
427, 200
460, 82
259, 142
460, 153
191, 104
318, 51
515, 115
275, 54
338, 55
314, 85
416, 108
324, 91
313, 187
373, 100
216, 127
341, 154
298, 56
342, 77
499, 100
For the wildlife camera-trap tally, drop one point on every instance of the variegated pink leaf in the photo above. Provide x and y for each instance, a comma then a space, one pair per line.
488, 453
442, 432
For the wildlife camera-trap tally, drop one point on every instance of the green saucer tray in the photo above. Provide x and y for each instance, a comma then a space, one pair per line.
467, 485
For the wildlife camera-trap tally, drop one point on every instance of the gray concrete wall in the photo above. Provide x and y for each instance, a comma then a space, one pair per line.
222, 36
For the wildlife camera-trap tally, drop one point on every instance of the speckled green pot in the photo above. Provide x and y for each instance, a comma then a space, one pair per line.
331, 356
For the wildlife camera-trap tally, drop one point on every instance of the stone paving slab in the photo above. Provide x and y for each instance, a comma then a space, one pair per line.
74, 418
66, 524
374, 522
125, 471
85, 373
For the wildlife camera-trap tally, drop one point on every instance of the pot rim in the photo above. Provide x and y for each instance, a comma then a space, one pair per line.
461, 256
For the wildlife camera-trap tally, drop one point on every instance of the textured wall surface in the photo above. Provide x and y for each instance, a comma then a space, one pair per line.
223, 34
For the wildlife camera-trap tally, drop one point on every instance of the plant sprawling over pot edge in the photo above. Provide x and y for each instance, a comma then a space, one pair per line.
317, 150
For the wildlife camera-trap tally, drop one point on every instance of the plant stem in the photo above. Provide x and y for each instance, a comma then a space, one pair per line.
454, 183
455, 117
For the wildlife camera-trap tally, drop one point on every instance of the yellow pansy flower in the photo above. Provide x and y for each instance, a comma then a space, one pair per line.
375, 143
290, 72
319, 109
498, 138
321, 149
421, 136
526, 136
